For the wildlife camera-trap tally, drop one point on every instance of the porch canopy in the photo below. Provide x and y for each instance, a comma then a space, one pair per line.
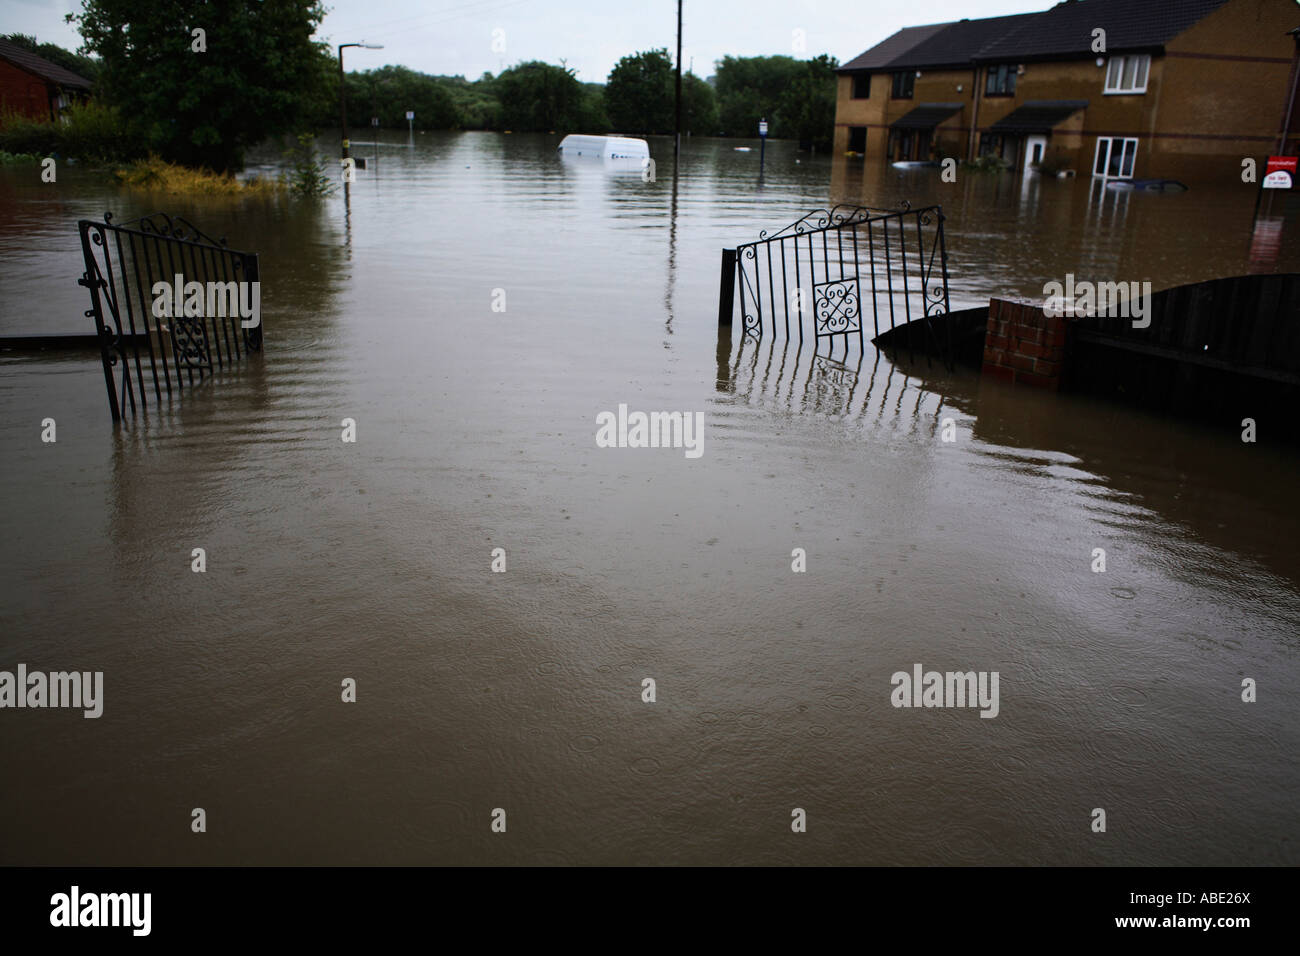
926, 116
1037, 116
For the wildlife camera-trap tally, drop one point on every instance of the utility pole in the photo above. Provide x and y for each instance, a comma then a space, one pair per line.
677, 125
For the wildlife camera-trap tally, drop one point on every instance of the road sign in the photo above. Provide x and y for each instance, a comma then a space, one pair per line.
374, 121
410, 114
1279, 173
762, 127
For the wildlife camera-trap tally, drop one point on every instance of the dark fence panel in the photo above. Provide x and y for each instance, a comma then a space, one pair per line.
157, 354
1246, 324
1223, 350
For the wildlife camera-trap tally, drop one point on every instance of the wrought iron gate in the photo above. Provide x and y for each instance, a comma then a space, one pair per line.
123, 263
842, 268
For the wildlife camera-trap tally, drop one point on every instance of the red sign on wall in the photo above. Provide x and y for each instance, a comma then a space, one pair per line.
1280, 172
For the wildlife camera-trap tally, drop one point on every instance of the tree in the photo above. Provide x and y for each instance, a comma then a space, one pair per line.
750, 88
257, 77
639, 93
390, 91
640, 97
699, 106
539, 96
806, 110
594, 118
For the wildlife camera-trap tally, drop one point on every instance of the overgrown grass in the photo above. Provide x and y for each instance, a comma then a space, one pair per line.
161, 176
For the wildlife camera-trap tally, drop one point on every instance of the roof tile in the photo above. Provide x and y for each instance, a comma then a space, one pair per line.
39, 66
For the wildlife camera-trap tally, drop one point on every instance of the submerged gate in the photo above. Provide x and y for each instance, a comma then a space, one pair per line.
158, 354
840, 271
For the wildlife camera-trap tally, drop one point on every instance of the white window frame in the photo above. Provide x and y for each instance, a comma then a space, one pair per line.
1116, 66
1111, 142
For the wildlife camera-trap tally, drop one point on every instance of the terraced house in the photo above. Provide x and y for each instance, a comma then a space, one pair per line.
1110, 88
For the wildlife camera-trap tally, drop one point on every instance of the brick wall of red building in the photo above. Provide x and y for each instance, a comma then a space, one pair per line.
21, 92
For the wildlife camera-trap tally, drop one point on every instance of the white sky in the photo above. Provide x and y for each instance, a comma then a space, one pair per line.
455, 36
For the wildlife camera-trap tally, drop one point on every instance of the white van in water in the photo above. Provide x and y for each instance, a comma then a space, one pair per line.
604, 147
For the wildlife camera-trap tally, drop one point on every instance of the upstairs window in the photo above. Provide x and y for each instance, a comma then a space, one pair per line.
904, 83
1001, 80
861, 86
1128, 74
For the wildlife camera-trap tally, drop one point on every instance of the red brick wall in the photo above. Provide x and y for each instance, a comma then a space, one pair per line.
20, 92
1023, 345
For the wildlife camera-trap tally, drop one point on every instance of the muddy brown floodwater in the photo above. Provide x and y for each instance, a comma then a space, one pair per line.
522, 691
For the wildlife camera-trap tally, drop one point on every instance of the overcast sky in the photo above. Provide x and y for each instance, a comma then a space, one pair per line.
456, 36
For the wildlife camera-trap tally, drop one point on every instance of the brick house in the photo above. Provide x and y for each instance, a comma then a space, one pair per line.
1181, 88
33, 86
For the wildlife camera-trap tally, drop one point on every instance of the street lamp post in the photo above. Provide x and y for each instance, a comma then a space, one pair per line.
343, 100
677, 120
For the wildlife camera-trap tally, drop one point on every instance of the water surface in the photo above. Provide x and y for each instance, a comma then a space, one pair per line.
522, 690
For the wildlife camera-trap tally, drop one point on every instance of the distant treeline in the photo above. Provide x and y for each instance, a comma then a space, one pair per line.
262, 74
797, 97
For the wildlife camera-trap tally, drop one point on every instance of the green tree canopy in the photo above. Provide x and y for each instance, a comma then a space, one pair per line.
390, 91
640, 96
539, 96
258, 77
639, 93
806, 109
750, 88
594, 118
699, 106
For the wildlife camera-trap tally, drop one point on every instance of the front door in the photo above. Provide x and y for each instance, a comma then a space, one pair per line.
1035, 150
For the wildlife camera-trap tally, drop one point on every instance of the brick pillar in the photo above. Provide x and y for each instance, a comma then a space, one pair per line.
1024, 345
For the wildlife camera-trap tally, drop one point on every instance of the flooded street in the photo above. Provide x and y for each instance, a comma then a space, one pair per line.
475, 430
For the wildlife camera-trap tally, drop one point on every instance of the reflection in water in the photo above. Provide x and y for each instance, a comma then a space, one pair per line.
476, 430
347, 219
854, 390
672, 257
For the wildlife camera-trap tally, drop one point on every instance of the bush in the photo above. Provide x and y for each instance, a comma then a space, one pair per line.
985, 164
308, 175
99, 133
87, 131
21, 134
7, 159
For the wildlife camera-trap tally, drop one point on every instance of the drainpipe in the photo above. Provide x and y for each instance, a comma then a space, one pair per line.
974, 113
1290, 103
